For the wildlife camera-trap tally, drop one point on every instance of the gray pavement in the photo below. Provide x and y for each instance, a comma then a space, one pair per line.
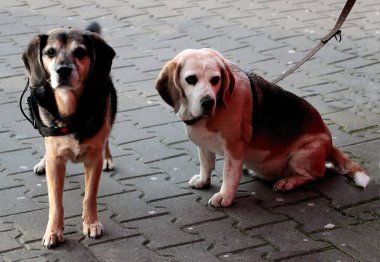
148, 211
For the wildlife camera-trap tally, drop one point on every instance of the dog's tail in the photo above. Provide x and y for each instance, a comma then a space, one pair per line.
346, 166
94, 27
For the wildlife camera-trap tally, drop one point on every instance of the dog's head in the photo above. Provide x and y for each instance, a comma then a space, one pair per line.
195, 82
67, 59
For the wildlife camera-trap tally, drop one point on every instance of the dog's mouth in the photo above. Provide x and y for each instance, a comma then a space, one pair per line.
194, 120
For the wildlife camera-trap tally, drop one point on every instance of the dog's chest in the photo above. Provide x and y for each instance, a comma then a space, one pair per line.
69, 148
204, 138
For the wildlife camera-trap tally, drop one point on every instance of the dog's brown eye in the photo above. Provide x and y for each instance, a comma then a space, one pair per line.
215, 80
80, 53
191, 80
51, 52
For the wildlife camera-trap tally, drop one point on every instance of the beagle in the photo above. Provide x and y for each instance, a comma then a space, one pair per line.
249, 121
73, 105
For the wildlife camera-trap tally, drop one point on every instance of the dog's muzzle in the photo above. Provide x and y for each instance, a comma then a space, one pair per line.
207, 104
64, 73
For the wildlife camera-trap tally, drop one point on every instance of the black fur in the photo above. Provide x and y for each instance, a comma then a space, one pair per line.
279, 113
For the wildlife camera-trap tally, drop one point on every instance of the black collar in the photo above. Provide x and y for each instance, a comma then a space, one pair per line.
36, 119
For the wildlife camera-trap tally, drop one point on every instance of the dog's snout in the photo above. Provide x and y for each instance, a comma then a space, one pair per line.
207, 104
64, 70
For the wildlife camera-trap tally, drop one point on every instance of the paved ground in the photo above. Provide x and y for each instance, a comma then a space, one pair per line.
148, 211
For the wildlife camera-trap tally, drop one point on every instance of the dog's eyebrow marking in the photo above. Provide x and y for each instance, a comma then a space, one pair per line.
63, 38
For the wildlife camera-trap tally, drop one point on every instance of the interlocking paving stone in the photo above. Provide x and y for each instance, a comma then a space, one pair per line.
226, 240
286, 239
248, 214
256, 254
130, 249
163, 236
325, 255
266, 198
32, 225
179, 169
361, 242
130, 207
112, 229
191, 252
17, 202
156, 187
368, 211
127, 167
152, 150
305, 213
8, 240
345, 193
188, 211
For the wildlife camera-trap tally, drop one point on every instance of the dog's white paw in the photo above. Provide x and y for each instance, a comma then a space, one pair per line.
221, 200
40, 168
93, 230
197, 182
108, 165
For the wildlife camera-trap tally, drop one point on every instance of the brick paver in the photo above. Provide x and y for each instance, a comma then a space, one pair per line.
148, 211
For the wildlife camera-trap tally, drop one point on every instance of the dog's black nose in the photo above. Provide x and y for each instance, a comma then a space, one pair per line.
207, 104
64, 71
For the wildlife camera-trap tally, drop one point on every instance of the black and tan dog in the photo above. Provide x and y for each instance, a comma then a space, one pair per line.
248, 120
73, 105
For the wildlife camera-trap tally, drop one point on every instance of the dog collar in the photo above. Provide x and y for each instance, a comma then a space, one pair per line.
40, 126
36, 119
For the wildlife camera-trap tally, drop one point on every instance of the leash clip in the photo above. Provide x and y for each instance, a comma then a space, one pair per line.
338, 36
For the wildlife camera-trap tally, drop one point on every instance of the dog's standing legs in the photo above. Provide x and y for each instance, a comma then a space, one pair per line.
55, 169
232, 172
207, 162
93, 171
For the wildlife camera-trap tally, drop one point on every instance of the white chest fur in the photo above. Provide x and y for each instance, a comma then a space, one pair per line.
202, 137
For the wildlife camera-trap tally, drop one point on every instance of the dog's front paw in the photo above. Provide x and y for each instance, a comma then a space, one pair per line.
108, 165
53, 238
221, 200
197, 182
40, 168
93, 230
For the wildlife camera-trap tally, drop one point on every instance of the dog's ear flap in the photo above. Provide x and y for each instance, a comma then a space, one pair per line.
32, 58
228, 83
101, 57
167, 85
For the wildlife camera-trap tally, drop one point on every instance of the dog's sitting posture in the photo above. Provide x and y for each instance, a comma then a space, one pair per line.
73, 105
250, 121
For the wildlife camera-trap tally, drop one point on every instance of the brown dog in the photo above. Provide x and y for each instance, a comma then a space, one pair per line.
73, 105
250, 121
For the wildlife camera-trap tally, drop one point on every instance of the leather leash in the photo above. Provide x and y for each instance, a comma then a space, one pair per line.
335, 32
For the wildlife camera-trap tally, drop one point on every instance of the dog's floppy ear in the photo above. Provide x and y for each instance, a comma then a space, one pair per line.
228, 82
167, 84
32, 58
101, 57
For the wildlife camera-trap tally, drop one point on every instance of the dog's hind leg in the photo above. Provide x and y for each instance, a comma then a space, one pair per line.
40, 168
304, 166
93, 171
108, 162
